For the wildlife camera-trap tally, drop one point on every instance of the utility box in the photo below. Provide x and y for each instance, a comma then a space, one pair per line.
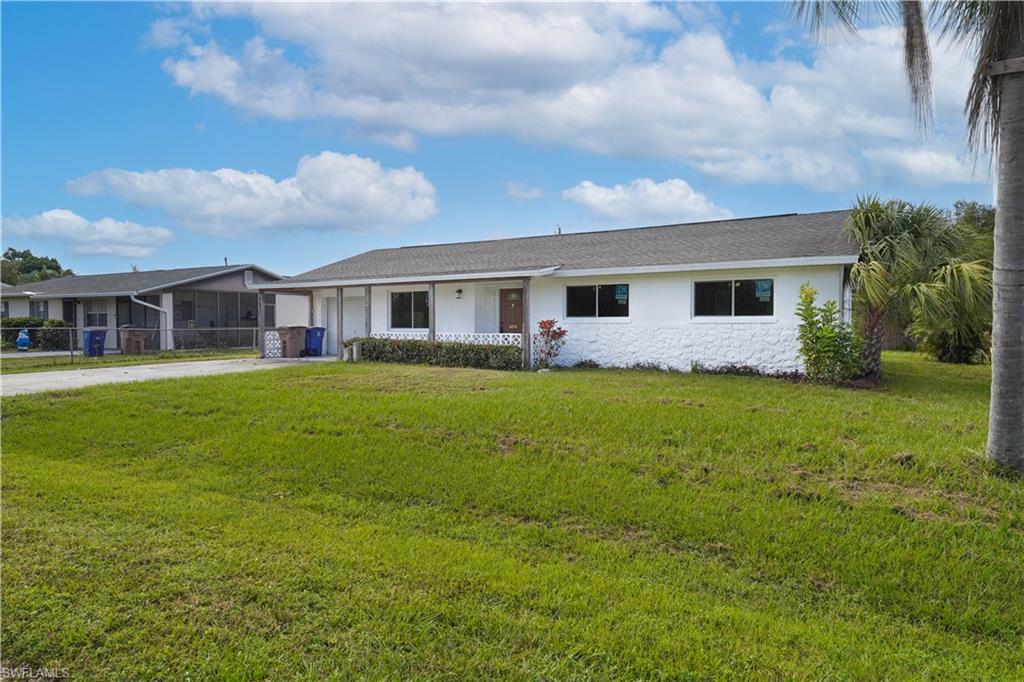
133, 341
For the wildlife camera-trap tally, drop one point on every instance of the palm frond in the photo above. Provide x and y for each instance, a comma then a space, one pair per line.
988, 29
822, 15
917, 60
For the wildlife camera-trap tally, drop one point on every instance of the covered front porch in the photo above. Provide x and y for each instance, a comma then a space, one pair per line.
490, 311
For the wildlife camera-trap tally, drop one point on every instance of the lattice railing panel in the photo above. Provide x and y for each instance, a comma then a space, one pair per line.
272, 341
469, 337
483, 339
400, 336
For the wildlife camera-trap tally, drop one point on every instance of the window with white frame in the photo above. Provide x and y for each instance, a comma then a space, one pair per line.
734, 298
597, 300
95, 313
410, 310
40, 309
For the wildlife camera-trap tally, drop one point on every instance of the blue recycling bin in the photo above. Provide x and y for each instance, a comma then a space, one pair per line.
315, 341
95, 340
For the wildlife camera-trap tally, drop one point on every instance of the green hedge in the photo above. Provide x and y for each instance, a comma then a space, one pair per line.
42, 334
441, 353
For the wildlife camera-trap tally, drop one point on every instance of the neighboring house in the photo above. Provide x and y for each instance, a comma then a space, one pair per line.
714, 293
205, 306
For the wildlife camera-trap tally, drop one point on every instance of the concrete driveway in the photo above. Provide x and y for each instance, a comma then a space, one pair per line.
62, 380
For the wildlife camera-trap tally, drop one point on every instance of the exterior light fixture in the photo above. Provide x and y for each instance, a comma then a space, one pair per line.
458, 293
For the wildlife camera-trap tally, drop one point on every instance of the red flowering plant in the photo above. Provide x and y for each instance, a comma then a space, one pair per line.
550, 339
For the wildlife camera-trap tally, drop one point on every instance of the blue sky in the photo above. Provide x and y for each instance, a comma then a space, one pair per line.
292, 136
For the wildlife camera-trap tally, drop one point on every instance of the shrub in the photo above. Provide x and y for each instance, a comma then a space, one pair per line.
54, 335
646, 366
829, 347
10, 326
441, 353
952, 315
551, 340
743, 371
587, 364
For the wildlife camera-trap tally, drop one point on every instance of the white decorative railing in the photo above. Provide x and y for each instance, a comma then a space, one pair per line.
272, 347
484, 339
400, 336
272, 344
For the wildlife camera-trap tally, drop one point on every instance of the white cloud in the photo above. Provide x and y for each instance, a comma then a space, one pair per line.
106, 237
522, 191
172, 32
645, 201
587, 77
329, 191
402, 139
925, 167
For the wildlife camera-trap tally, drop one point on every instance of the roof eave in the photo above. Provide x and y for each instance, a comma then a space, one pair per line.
199, 278
556, 271
406, 279
59, 294
799, 261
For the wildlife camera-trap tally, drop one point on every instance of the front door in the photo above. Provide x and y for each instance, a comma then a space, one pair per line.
68, 315
68, 311
511, 319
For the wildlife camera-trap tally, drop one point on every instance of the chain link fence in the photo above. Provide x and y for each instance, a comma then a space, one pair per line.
78, 341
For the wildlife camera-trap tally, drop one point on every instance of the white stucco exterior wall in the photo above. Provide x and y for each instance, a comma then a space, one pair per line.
661, 328
292, 310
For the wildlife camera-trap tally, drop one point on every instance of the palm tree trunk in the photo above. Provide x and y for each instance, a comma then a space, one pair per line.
874, 337
1006, 415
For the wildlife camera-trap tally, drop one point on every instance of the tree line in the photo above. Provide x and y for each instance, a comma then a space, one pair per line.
22, 267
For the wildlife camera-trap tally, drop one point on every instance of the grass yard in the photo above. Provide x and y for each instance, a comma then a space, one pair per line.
13, 363
335, 521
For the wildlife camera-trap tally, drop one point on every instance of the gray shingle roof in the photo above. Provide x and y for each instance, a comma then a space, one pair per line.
119, 282
746, 239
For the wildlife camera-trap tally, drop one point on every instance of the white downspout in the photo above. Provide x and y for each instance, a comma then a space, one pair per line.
165, 343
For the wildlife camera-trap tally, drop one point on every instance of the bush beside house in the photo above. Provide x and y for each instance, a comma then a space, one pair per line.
830, 348
441, 353
42, 334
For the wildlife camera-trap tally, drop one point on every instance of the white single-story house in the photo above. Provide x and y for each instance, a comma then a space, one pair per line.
715, 293
179, 305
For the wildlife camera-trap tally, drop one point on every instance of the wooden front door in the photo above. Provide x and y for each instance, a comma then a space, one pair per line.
511, 320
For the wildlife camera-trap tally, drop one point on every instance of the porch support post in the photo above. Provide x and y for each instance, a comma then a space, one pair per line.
261, 324
527, 325
431, 307
339, 297
366, 311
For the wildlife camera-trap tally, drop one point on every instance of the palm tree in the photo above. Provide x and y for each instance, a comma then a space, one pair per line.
994, 33
910, 270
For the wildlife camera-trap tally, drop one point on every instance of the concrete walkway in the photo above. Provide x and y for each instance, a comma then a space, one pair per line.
62, 380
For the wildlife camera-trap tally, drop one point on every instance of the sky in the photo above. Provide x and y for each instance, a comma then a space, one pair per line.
292, 135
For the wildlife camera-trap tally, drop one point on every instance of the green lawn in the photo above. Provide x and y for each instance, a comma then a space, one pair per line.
12, 363
336, 520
